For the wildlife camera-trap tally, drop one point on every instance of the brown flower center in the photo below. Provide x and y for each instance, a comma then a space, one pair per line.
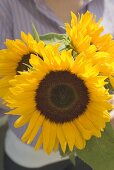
61, 96
24, 63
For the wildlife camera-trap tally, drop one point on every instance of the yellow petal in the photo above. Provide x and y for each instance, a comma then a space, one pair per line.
79, 141
52, 137
39, 142
87, 124
22, 121
69, 132
86, 134
55, 148
30, 127
46, 134
37, 126
61, 138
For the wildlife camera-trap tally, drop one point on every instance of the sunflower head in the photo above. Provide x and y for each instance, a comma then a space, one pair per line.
86, 27
86, 35
64, 99
15, 58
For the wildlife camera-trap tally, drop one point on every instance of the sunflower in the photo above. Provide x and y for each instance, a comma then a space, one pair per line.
15, 58
62, 100
86, 25
86, 35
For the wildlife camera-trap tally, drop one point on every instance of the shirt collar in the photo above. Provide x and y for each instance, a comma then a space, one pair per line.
45, 10
85, 3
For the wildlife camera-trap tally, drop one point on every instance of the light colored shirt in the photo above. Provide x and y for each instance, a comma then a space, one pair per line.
18, 15
25, 156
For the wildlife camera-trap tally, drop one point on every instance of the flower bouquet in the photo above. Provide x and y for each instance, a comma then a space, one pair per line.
60, 85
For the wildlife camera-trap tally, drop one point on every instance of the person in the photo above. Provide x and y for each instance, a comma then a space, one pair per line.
47, 16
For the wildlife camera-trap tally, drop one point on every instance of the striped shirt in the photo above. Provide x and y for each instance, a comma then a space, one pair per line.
18, 15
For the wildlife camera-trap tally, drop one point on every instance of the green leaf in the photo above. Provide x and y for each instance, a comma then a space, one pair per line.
99, 152
35, 33
72, 159
52, 38
109, 86
67, 152
71, 155
74, 54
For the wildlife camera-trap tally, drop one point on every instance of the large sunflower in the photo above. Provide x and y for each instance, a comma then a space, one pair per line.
16, 57
64, 100
85, 27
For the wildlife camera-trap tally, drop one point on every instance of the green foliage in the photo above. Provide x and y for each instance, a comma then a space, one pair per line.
109, 86
62, 39
99, 152
71, 155
52, 38
72, 158
35, 33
